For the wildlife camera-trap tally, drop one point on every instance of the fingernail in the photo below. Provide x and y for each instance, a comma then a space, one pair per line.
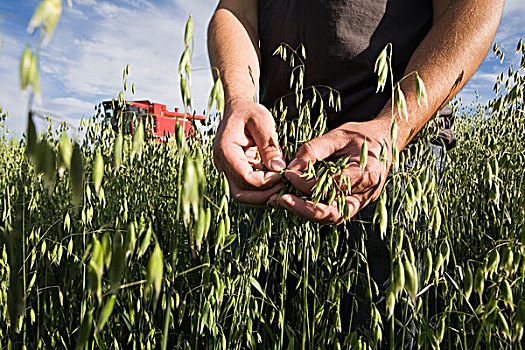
286, 199
293, 164
271, 174
273, 200
276, 164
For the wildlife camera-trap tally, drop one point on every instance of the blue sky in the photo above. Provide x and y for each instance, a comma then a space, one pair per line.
95, 39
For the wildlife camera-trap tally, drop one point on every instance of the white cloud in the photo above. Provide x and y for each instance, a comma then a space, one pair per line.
109, 11
513, 6
84, 2
487, 77
70, 103
73, 11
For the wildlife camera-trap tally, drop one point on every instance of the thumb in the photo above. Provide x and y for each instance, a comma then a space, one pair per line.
314, 150
262, 130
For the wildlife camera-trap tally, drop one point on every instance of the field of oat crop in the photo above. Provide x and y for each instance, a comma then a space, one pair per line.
111, 241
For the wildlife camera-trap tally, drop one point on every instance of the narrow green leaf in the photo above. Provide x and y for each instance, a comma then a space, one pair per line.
213, 96
117, 150
381, 60
185, 91
85, 330
31, 140
364, 156
34, 79
77, 175
220, 97
48, 164
382, 153
98, 171
479, 282
382, 78
25, 67
411, 278
199, 227
145, 241
184, 60
189, 195
66, 149
401, 102
220, 235
421, 91
67, 222
155, 271
106, 312
118, 262
131, 239
393, 131
399, 280
107, 249
257, 286
188, 32
138, 140
390, 302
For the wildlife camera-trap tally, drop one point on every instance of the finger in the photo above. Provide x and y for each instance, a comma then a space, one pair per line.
257, 165
252, 157
251, 152
255, 198
262, 130
318, 149
235, 164
368, 180
306, 186
298, 181
319, 212
355, 203
273, 200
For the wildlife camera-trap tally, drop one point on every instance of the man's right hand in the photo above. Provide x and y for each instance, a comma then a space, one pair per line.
248, 127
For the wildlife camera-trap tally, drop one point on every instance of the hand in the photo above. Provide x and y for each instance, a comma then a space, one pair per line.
248, 127
344, 141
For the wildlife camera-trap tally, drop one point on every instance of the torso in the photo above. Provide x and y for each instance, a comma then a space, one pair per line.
343, 38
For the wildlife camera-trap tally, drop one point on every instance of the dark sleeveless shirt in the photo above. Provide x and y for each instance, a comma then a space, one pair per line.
342, 38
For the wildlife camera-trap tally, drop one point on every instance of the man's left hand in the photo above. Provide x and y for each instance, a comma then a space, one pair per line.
341, 142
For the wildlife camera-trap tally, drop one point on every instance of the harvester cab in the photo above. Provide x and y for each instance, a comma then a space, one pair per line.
159, 123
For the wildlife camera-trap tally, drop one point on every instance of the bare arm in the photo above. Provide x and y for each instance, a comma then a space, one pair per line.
233, 47
449, 55
247, 128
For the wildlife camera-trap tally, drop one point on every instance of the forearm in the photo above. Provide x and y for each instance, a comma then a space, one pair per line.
446, 59
233, 48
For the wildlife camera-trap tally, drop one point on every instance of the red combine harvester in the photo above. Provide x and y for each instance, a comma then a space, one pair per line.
159, 122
